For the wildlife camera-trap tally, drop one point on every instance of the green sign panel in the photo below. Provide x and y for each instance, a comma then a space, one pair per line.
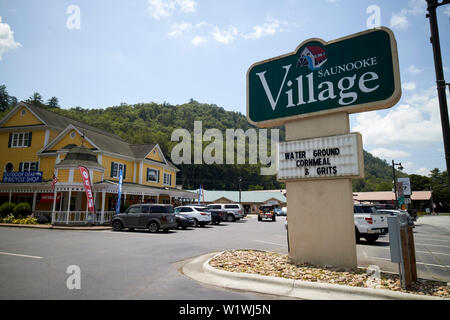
353, 74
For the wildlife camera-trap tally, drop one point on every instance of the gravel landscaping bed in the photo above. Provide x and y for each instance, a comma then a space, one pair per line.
277, 265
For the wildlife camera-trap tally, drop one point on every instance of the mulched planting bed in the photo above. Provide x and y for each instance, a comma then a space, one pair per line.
278, 265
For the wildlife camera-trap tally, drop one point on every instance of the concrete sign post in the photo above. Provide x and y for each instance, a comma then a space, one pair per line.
312, 91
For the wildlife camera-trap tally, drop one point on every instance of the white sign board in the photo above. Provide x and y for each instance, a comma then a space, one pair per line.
406, 186
321, 158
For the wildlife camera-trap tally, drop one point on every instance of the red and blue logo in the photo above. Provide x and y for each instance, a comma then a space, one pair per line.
312, 57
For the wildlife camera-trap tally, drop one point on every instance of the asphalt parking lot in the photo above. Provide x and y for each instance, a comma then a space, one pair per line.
139, 265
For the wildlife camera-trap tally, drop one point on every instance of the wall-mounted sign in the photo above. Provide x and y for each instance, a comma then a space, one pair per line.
352, 74
22, 177
321, 158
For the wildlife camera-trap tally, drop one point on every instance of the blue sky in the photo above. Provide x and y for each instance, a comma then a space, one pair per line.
174, 50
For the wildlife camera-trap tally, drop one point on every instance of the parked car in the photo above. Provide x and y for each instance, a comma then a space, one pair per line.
267, 212
200, 214
369, 224
184, 221
230, 211
279, 212
396, 212
146, 216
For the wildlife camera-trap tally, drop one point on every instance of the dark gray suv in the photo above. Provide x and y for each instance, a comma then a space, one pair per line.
146, 216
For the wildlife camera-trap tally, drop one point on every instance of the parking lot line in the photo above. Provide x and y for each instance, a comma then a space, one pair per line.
19, 255
267, 242
426, 264
432, 245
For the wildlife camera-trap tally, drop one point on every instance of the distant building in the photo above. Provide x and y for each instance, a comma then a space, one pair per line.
251, 200
38, 144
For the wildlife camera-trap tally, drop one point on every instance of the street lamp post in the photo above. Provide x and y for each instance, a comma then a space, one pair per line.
440, 82
395, 182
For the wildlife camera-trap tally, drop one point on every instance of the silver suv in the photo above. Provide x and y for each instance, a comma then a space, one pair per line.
233, 211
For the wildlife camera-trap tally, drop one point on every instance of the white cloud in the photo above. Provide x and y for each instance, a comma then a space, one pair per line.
268, 28
399, 21
198, 40
177, 29
7, 41
389, 153
423, 171
414, 70
414, 8
410, 124
409, 86
164, 8
187, 6
225, 36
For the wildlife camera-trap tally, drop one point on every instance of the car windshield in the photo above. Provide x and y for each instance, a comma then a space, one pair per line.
365, 209
203, 209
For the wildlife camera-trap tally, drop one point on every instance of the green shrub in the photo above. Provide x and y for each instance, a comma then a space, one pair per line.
22, 210
6, 209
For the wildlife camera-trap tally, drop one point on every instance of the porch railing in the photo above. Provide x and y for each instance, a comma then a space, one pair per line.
77, 217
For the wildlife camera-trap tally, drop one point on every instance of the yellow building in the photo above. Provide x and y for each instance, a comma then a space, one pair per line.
35, 143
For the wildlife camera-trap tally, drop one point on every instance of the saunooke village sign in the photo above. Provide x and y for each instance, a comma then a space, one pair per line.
312, 91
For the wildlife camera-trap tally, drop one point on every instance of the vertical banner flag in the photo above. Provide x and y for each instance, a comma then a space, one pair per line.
203, 195
119, 192
87, 188
199, 193
54, 181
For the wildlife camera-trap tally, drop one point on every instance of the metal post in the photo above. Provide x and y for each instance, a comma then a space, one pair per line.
440, 82
395, 185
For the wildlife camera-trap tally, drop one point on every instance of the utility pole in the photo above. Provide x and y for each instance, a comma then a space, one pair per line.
440, 82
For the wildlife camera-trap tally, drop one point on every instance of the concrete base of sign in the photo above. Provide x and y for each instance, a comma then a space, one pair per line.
320, 212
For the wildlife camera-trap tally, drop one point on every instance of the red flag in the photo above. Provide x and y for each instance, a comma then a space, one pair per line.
87, 187
54, 181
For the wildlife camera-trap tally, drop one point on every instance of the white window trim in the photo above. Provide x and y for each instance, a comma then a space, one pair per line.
118, 169
29, 166
22, 145
166, 174
158, 177
4, 169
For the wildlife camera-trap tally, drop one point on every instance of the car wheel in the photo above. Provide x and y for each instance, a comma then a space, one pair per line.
357, 235
195, 223
117, 225
153, 227
371, 238
230, 218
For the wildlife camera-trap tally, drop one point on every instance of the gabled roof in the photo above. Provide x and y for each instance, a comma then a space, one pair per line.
259, 196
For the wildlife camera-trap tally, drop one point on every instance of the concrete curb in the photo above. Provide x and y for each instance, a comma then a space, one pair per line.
45, 226
199, 269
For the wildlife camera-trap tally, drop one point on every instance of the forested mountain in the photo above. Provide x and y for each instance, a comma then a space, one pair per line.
154, 123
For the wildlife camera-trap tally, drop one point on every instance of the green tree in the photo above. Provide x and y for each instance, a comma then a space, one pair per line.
4, 98
53, 102
36, 99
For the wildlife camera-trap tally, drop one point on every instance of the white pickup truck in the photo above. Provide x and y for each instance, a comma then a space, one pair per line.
369, 224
